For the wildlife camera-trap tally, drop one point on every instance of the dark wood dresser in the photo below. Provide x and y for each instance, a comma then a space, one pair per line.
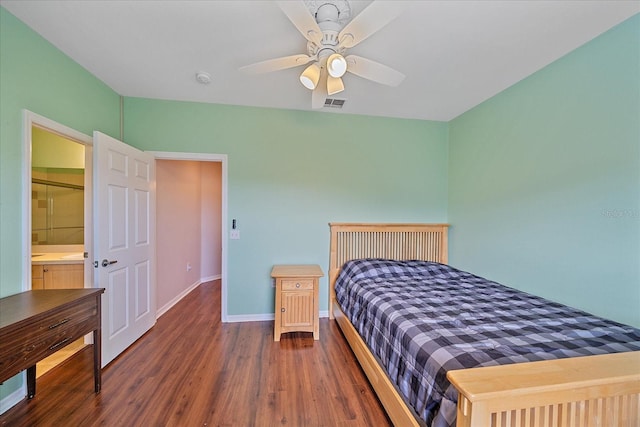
36, 324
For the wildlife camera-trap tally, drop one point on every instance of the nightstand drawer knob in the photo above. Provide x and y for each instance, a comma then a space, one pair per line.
282, 309
297, 285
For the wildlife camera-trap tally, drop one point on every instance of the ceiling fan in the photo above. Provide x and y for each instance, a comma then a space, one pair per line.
329, 35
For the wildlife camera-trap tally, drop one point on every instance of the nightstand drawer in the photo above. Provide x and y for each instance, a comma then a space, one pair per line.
296, 284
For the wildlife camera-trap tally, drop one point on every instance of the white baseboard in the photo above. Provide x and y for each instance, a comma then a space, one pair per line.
162, 310
211, 278
231, 318
236, 318
14, 398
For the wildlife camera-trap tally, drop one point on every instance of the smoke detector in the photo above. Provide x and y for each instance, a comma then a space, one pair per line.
203, 78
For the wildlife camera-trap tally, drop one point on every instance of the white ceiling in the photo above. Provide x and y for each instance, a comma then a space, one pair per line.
455, 54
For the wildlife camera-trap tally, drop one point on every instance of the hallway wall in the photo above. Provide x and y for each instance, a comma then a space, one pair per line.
211, 197
187, 226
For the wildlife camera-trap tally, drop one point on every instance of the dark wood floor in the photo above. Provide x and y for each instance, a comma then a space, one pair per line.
192, 370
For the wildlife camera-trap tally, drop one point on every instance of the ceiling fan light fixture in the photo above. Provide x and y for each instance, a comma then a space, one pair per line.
336, 65
310, 76
334, 85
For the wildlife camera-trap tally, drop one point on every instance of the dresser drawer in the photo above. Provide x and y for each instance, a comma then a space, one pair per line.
296, 284
26, 346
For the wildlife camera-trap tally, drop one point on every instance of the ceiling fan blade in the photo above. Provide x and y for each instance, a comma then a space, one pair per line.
277, 64
373, 70
319, 95
374, 17
300, 16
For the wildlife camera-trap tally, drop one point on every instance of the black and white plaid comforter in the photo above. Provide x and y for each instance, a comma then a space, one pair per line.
422, 319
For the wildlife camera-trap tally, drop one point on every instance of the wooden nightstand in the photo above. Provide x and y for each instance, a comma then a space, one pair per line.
296, 299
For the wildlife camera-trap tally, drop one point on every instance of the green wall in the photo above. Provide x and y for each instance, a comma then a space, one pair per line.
544, 180
540, 183
290, 173
36, 76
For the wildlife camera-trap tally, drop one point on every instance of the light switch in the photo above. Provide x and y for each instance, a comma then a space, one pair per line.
235, 234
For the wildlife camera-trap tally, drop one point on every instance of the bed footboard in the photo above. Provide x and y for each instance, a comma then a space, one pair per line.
586, 391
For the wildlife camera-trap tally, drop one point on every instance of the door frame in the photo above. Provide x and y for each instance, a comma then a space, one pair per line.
29, 120
206, 157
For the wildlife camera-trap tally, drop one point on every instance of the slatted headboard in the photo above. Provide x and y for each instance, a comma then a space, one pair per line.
427, 242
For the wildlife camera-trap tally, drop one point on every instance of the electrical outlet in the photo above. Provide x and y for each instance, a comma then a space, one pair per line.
234, 235
188, 266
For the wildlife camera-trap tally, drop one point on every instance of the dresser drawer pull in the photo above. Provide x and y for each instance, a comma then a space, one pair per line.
61, 343
297, 285
283, 309
62, 322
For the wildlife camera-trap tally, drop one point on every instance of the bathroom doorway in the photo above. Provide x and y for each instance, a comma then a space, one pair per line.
60, 188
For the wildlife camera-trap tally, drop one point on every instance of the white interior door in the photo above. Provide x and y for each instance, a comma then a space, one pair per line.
124, 241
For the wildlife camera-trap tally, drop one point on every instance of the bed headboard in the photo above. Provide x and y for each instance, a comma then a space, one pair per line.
427, 242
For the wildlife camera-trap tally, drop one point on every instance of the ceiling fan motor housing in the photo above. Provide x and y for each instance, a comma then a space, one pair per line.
331, 17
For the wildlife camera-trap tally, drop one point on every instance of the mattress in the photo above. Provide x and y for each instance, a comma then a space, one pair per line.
422, 319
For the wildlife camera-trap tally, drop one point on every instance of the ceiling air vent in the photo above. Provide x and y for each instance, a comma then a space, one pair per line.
334, 103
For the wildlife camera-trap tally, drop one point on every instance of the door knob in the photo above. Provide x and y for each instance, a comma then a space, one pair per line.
106, 263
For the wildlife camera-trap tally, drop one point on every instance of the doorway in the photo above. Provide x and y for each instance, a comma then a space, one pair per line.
58, 202
183, 266
188, 210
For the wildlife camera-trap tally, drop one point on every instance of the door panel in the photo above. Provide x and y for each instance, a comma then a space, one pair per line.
117, 293
142, 213
143, 304
125, 239
117, 217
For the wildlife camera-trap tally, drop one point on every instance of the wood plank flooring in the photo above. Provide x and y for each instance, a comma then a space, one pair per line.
192, 370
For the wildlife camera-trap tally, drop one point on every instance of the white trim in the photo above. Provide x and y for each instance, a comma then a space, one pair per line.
206, 157
162, 310
14, 398
236, 318
210, 278
88, 219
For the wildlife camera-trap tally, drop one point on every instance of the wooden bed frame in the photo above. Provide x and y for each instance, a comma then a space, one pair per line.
586, 391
